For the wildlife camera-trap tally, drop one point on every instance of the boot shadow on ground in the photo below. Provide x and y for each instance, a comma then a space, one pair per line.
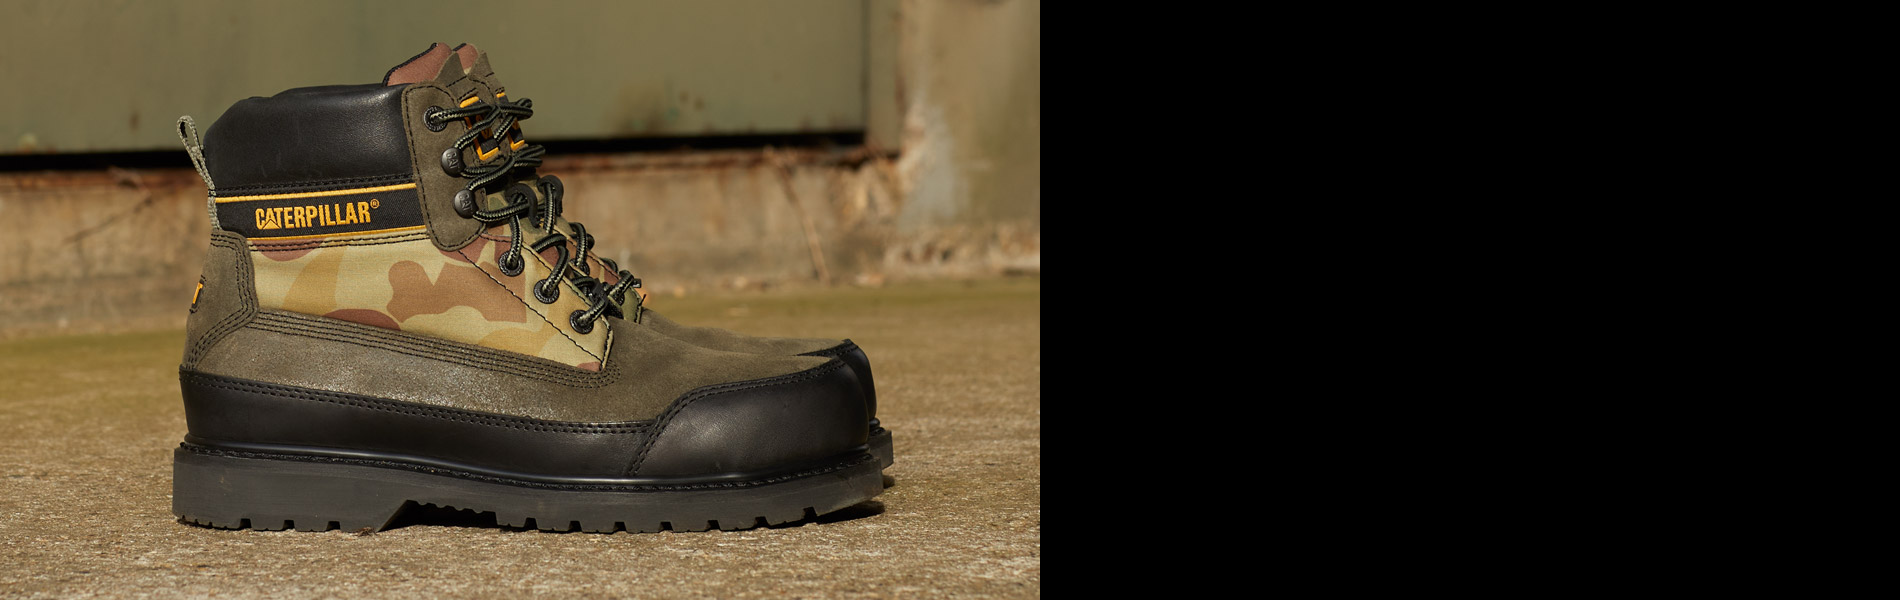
436, 516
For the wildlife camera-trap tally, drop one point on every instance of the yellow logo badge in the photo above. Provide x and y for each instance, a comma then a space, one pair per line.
315, 215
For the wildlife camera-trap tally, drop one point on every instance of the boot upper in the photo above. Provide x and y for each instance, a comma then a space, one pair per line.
344, 198
384, 282
340, 262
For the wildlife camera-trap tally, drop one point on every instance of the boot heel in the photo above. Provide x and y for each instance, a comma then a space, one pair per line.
231, 492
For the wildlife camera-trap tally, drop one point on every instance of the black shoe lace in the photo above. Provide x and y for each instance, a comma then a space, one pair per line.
603, 300
584, 242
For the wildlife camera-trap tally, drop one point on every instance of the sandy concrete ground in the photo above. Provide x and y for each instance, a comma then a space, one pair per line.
87, 425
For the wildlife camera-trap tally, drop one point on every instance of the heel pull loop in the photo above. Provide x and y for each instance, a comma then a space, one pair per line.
195, 147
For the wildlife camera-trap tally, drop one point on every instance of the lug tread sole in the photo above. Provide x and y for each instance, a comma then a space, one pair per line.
880, 447
248, 491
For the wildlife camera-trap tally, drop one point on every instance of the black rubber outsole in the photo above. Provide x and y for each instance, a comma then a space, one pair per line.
880, 447
241, 490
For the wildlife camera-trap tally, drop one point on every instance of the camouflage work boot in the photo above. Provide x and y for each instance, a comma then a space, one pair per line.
583, 259
386, 318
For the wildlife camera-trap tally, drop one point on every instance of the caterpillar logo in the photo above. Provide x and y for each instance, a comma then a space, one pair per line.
310, 215
316, 215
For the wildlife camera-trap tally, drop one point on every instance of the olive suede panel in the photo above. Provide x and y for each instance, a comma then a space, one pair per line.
484, 75
228, 299
721, 339
644, 375
437, 188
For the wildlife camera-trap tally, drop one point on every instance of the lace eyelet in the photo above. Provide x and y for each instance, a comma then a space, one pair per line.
583, 327
428, 119
513, 267
551, 297
519, 191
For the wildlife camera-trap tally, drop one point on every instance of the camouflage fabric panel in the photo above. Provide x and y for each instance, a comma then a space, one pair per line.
402, 281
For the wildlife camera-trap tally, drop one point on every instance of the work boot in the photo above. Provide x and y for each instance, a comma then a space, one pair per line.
586, 261
387, 318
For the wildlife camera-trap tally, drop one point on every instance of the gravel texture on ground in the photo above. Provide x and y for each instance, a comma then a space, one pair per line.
88, 424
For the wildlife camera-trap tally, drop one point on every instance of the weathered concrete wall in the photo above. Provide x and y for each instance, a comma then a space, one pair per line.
969, 86
109, 75
94, 251
971, 89
959, 196
736, 220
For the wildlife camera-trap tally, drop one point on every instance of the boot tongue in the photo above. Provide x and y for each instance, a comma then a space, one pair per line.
484, 74
450, 72
492, 90
444, 66
479, 69
472, 56
421, 67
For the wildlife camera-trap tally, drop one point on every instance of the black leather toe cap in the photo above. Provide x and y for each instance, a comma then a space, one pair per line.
854, 357
759, 426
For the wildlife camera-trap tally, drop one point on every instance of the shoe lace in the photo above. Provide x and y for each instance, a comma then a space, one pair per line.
603, 300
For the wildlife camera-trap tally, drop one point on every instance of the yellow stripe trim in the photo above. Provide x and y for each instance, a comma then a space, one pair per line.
367, 190
341, 234
470, 101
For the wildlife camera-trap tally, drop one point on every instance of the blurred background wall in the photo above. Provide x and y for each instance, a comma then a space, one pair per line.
710, 145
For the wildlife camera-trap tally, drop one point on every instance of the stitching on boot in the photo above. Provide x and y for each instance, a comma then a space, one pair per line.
314, 186
262, 325
419, 410
666, 418
247, 301
544, 318
837, 351
433, 349
344, 328
333, 242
